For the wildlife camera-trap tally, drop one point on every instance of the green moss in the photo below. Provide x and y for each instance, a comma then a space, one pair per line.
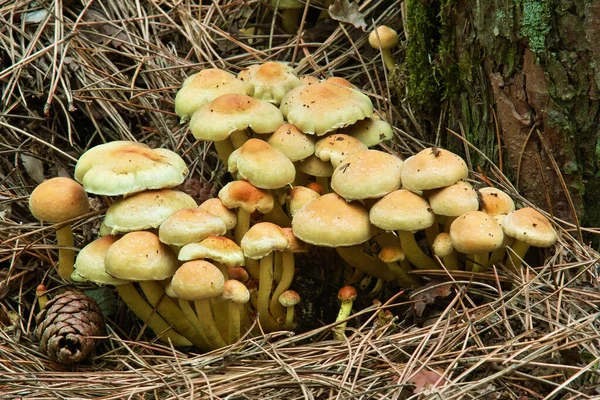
421, 84
535, 23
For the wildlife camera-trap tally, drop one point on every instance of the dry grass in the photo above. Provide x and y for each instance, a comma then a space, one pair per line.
82, 74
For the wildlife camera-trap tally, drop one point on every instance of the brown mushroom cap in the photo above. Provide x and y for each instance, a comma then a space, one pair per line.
146, 210
402, 210
262, 239
139, 256
216, 248
347, 293
433, 168
197, 280
204, 86
229, 113
476, 232
262, 165
331, 221
270, 81
454, 200
529, 226
235, 291
122, 167
337, 106
289, 140
337, 147
190, 225
244, 195
495, 201
289, 298
367, 174
58, 199
391, 254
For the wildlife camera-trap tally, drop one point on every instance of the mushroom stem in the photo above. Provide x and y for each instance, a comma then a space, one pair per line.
480, 261
498, 254
234, 311
224, 149
253, 268
265, 284
414, 253
155, 294
243, 224
515, 257
220, 312
289, 323
432, 233
388, 59
278, 216
238, 138
205, 316
354, 256
66, 256
402, 275
136, 303
347, 295
191, 316
287, 276
324, 182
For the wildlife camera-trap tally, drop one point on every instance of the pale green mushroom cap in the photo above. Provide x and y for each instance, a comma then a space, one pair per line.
216, 248
204, 86
367, 174
122, 167
324, 107
314, 166
370, 131
215, 206
190, 225
270, 81
289, 140
140, 256
262, 165
89, 264
146, 210
402, 210
229, 113
454, 200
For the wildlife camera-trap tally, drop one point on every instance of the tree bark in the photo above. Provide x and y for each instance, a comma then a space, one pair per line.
524, 73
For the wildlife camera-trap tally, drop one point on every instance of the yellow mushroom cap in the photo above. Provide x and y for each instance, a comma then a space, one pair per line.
383, 37
367, 174
402, 210
244, 195
215, 206
197, 280
289, 140
336, 107
58, 199
262, 165
300, 196
331, 221
433, 168
262, 239
530, 226
226, 114
495, 201
204, 86
235, 291
370, 131
289, 298
270, 81
89, 264
140, 256
337, 147
442, 245
476, 232
454, 200
216, 248
391, 254
190, 225
122, 167
314, 166
146, 210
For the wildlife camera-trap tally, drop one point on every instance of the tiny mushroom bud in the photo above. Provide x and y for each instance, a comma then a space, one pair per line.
346, 295
384, 38
289, 299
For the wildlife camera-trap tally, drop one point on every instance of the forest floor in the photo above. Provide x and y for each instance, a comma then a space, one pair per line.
74, 75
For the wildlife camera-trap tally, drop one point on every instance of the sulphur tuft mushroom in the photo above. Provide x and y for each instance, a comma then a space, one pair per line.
346, 296
384, 39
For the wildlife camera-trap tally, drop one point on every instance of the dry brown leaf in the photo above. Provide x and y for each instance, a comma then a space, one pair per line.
344, 11
425, 379
428, 293
34, 167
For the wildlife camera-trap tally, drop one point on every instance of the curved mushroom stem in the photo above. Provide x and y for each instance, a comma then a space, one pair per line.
66, 257
220, 311
238, 138
205, 316
344, 313
191, 316
253, 268
242, 226
431, 233
403, 276
224, 149
373, 266
515, 257
265, 284
414, 253
388, 59
136, 303
278, 216
287, 276
172, 314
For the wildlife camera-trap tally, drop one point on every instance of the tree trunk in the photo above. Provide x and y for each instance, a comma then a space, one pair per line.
524, 73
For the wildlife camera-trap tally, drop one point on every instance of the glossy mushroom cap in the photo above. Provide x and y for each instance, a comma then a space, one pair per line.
221, 117
336, 107
433, 168
529, 226
140, 256
122, 167
331, 221
476, 232
58, 199
205, 86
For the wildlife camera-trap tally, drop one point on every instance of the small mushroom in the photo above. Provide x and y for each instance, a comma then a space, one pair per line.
384, 38
289, 299
346, 295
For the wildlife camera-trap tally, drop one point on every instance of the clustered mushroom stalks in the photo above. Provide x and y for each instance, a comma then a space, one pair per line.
306, 173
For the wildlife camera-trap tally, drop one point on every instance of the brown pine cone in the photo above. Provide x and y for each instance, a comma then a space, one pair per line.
65, 325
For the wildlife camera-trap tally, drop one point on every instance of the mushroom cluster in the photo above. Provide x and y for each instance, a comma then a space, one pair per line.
306, 174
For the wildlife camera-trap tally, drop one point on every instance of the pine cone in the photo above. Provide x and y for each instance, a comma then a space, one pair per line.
65, 325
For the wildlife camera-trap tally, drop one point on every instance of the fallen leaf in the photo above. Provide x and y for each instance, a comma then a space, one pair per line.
425, 379
428, 293
344, 11
34, 167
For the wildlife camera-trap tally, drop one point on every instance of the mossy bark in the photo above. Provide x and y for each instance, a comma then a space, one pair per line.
524, 73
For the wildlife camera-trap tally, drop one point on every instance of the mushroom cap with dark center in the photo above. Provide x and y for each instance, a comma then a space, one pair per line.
270, 80
433, 168
476, 232
529, 226
122, 167
244, 195
58, 199
336, 107
229, 113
